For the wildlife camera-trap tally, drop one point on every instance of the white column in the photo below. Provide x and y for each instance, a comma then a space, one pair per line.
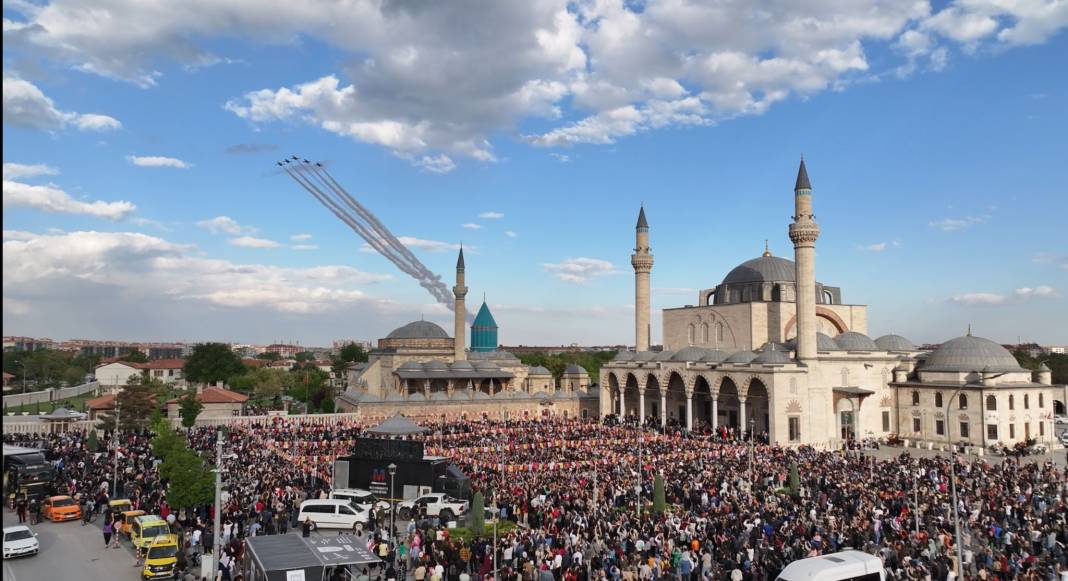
741, 414
689, 411
663, 408
622, 403
641, 405
715, 411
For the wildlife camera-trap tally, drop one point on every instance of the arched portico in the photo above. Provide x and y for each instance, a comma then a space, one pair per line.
730, 405
628, 399
757, 406
702, 401
656, 397
676, 397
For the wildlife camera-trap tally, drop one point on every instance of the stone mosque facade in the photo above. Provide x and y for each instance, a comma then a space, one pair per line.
770, 349
420, 371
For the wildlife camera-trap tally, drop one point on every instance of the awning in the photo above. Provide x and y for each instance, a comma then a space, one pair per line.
340, 550
397, 425
853, 391
293, 552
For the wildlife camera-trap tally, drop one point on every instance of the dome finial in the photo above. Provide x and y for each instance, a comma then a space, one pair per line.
766, 251
969, 329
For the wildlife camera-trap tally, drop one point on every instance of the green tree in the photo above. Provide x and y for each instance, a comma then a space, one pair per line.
304, 356
352, 353
264, 381
659, 501
92, 442
189, 407
135, 356
269, 356
211, 362
190, 483
136, 403
327, 405
478, 514
166, 441
794, 480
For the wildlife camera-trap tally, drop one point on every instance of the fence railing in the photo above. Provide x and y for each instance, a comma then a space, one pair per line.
15, 427
48, 395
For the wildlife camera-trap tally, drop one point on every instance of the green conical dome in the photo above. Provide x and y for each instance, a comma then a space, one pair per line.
484, 330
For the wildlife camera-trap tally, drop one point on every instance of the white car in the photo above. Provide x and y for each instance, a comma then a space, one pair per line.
435, 504
19, 540
332, 513
1060, 420
1064, 438
360, 499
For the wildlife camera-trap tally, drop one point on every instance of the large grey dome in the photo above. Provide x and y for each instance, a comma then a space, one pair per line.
418, 330
854, 341
895, 343
970, 353
762, 269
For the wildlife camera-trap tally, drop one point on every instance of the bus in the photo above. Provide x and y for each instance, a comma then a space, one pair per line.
26, 473
843, 566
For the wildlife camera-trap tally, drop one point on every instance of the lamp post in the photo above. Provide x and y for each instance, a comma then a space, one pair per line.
494, 511
638, 486
752, 425
115, 445
916, 498
392, 512
953, 485
216, 525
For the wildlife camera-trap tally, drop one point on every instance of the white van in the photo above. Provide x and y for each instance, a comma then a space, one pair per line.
360, 499
843, 566
332, 513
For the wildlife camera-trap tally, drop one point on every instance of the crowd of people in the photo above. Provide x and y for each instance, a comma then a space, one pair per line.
581, 495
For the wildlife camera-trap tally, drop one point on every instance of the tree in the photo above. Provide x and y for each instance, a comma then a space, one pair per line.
190, 483
659, 501
794, 480
189, 407
264, 382
269, 356
478, 514
327, 405
135, 356
136, 403
304, 356
211, 362
92, 442
352, 353
166, 441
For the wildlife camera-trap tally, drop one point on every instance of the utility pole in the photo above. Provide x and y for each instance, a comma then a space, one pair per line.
638, 487
916, 499
115, 444
953, 486
217, 521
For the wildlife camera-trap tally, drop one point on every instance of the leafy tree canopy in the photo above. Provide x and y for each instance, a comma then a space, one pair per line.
591, 361
1057, 363
135, 356
189, 407
352, 353
211, 362
269, 356
136, 403
304, 356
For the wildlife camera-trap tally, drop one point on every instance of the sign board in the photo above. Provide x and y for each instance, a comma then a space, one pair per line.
297, 575
384, 449
340, 550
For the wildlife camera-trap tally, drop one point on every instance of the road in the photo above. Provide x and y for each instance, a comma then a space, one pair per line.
70, 551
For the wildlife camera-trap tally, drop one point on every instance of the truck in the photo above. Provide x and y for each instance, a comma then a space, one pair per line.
26, 473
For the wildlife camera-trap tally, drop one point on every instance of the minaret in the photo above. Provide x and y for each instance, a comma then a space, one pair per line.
803, 233
642, 261
459, 311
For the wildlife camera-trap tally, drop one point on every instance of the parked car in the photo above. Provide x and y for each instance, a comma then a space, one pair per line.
161, 559
1059, 420
146, 528
435, 504
332, 513
61, 508
19, 541
360, 499
1064, 438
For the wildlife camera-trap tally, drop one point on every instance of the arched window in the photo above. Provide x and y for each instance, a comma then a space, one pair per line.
1041, 400
962, 402
704, 333
938, 399
991, 403
915, 398
689, 334
719, 332
1012, 402
1027, 401
828, 298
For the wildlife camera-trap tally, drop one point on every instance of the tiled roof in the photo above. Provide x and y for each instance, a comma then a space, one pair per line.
162, 364
218, 395
104, 402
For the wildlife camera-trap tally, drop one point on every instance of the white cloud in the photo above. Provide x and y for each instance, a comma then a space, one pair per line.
619, 67
1060, 260
491, 215
253, 242
18, 235
26, 106
1040, 291
14, 171
305, 247
560, 157
472, 226
510, 233
300, 237
1019, 295
955, 224
133, 265
580, 270
52, 199
157, 161
226, 225
431, 245
973, 299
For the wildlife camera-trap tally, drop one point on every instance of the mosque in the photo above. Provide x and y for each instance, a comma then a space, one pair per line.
420, 371
770, 349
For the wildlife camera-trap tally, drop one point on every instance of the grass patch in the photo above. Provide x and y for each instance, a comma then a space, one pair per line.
76, 403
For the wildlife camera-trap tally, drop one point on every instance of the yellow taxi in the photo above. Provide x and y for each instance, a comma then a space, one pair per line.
161, 560
147, 527
118, 506
126, 520
61, 508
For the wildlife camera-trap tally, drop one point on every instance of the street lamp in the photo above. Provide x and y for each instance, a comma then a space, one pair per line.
392, 468
216, 526
752, 426
953, 484
115, 445
493, 510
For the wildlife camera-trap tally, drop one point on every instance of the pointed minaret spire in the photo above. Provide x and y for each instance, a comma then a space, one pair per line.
642, 223
642, 261
460, 259
802, 177
459, 309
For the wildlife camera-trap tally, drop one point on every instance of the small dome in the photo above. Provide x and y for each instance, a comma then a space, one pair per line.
418, 330
762, 269
773, 354
481, 395
410, 366
715, 356
461, 365
574, 369
690, 354
741, 357
970, 353
664, 356
1043, 367
439, 396
824, 342
541, 395
624, 356
417, 396
894, 343
645, 355
436, 366
395, 397
853, 341
485, 365
538, 370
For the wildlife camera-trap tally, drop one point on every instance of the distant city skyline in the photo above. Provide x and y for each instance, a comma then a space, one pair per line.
141, 196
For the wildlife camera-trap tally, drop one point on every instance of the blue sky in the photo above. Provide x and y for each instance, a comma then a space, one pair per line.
141, 199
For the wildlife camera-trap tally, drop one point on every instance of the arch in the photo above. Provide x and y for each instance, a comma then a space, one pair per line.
729, 404
702, 401
962, 401
845, 412
690, 331
413, 386
757, 406
822, 313
915, 397
631, 395
704, 333
991, 403
938, 399
439, 384
828, 297
1058, 407
489, 387
719, 332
